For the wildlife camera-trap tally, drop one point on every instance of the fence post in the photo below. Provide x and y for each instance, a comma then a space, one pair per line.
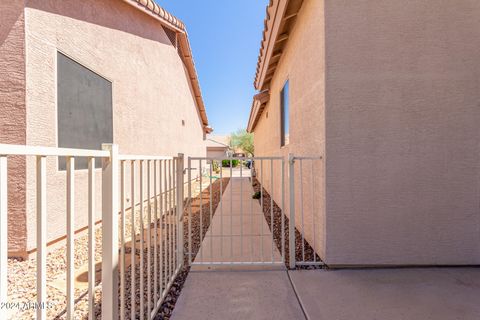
291, 225
3, 234
180, 191
110, 233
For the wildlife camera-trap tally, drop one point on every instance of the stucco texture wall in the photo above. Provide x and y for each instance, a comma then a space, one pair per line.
304, 69
12, 114
151, 91
402, 132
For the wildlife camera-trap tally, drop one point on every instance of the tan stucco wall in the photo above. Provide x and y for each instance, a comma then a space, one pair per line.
151, 90
216, 152
12, 113
402, 131
305, 71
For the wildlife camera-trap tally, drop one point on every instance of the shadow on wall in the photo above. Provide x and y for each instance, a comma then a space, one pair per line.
10, 13
113, 14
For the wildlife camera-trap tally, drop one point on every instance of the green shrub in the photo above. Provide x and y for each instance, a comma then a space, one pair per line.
226, 163
257, 195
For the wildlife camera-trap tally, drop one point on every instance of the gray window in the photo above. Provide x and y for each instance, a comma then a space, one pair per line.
84, 109
285, 115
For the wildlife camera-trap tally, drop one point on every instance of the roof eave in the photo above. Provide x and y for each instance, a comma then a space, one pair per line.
275, 13
168, 20
259, 102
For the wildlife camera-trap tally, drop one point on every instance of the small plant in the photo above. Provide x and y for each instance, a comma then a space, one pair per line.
257, 195
215, 166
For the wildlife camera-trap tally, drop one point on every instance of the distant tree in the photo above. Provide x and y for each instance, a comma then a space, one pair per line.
241, 139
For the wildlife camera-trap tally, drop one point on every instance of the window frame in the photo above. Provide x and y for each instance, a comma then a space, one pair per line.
285, 114
79, 61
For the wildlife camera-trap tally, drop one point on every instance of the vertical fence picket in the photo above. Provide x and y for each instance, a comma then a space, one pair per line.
252, 218
142, 240
211, 213
161, 231
91, 166
165, 219
170, 227
155, 234
302, 231
180, 198
91, 237
231, 208
291, 227
262, 213
221, 208
110, 234
271, 206
241, 207
313, 212
132, 241
149, 242
283, 209
189, 211
201, 209
70, 235
41, 192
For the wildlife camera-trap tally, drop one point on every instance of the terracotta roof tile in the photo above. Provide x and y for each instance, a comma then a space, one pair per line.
153, 7
264, 40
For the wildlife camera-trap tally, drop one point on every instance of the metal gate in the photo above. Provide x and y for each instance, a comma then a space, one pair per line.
233, 216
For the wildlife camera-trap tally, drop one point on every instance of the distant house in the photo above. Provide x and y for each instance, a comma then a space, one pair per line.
218, 146
82, 73
388, 93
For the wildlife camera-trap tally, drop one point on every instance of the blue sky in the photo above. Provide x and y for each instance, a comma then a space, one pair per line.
225, 38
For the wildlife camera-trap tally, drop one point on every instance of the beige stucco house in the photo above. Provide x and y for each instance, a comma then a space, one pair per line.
387, 92
218, 146
122, 70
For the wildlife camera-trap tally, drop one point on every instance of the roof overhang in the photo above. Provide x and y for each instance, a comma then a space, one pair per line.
260, 100
279, 21
170, 21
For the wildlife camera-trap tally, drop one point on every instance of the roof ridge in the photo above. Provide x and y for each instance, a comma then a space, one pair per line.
154, 8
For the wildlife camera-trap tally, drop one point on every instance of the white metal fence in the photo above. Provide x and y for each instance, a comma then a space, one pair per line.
142, 200
156, 206
303, 174
238, 232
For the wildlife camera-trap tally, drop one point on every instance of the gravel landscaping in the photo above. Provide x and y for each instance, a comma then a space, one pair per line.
277, 230
169, 303
22, 274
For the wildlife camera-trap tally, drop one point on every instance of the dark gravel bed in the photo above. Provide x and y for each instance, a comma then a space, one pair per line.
277, 231
168, 305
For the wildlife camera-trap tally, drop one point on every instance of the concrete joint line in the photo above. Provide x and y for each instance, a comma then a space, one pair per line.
298, 297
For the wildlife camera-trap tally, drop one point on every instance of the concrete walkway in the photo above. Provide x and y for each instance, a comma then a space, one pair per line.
241, 295
239, 231
238, 292
374, 294
393, 294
